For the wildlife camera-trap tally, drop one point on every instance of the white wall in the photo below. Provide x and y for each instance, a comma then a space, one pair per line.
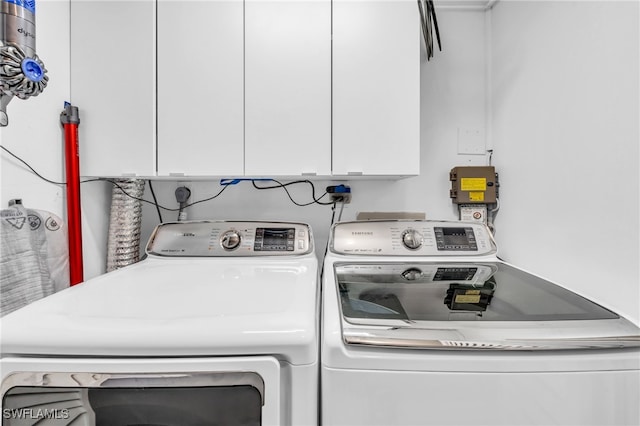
564, 101
34, 130
565, 97
35, 134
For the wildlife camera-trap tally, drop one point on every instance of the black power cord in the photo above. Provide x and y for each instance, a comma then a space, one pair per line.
31, 168
155, 201
315, 200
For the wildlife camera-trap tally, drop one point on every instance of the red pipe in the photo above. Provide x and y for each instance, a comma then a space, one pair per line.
70, 120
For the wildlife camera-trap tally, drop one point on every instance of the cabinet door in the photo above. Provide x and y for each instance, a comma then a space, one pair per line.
113, 84
200, 88
287, 87
376, 87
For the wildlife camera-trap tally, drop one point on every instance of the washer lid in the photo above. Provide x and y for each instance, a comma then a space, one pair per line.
178, 307
461, 291
456, 305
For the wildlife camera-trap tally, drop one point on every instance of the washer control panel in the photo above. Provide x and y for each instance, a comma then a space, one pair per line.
233, 239
412, 238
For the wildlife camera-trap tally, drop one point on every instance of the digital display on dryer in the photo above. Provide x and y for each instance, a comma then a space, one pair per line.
275, 239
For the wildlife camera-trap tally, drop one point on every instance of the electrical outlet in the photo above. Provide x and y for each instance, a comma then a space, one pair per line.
473, 213
340, 193
471, 141
341, 197
183, 193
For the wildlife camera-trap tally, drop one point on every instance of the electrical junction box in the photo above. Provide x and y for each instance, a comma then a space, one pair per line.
473, 185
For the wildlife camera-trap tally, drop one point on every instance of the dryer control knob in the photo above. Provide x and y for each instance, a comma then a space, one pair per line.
230, 240
412, 239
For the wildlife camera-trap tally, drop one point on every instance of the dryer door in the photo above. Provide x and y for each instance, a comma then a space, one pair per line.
188, 393
137, 405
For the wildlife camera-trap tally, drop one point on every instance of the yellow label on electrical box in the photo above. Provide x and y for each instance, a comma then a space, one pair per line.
476, 196
473, 184
468, 298
472, 292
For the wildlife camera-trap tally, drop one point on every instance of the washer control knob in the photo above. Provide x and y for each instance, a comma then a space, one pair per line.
230, 240
412, 239
412, 274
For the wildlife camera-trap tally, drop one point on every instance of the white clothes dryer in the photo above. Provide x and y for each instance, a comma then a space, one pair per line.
218, 325
424, 325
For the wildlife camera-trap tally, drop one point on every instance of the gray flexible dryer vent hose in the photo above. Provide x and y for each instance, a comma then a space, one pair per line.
123, 247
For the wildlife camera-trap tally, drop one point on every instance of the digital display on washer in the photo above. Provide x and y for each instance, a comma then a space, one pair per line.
454, 274
274, 239
455, 238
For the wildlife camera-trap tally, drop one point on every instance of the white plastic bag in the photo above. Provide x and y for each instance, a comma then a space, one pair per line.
34, 260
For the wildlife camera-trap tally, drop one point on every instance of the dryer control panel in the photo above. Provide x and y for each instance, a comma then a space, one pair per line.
412, 238
232, 239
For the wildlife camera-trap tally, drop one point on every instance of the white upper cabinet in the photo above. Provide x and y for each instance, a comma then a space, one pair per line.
113, 84
247, 87
287, 87
200, 88
376, 87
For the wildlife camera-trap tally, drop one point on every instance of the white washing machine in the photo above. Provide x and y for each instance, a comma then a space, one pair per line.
424, 325
217, 326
